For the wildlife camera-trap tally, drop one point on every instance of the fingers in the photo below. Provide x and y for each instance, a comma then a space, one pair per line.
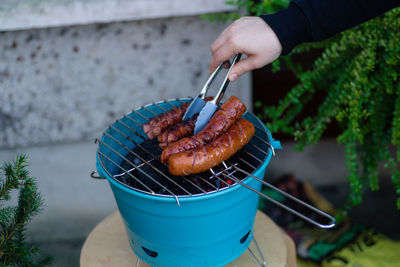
227, 44
225, 51
222, 38
250, 36
242, 67
222, 49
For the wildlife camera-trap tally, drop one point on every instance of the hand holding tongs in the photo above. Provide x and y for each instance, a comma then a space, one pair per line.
206, 110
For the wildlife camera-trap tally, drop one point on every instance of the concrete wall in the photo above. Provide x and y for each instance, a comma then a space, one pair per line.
27, 14
68, 83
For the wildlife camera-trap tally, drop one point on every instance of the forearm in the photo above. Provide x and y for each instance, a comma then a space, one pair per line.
316, 20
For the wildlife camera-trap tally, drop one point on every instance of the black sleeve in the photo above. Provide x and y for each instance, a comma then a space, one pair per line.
315, 20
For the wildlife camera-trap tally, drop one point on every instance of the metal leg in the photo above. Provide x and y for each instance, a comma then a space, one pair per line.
262, 262
260, 252
138, 262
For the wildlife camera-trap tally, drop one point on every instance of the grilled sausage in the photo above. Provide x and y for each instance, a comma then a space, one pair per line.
177, 131
220, 122
205, 157
158, 124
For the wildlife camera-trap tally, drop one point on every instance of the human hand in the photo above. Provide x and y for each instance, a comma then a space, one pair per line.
250, 36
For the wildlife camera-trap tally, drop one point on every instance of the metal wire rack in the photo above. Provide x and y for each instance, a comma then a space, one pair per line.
130, 158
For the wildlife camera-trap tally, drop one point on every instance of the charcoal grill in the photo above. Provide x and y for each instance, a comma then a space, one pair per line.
197, 220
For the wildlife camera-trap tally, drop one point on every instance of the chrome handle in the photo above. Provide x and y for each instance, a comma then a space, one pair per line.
203, 91
332, 220
224, 85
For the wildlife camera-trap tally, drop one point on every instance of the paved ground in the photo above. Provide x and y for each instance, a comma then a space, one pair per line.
75, 203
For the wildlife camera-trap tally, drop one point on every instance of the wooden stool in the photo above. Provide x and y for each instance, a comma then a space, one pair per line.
108, 245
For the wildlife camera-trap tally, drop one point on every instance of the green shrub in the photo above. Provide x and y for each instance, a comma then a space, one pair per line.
358, 72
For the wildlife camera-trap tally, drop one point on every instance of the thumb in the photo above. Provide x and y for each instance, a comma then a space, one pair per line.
242, 67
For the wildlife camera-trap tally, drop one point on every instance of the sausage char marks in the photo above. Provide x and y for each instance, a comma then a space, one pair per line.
158, 124
207, 156
177, 131
221, 121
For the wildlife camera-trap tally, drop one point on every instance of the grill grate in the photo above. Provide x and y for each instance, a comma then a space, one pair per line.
139, 167
131, 159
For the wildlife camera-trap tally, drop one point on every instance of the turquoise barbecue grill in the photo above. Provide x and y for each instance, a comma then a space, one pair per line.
197, 220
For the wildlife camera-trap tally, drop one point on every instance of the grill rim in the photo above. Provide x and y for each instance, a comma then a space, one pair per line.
174, 198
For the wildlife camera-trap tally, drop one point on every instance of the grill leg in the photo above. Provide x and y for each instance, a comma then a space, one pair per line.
262, 261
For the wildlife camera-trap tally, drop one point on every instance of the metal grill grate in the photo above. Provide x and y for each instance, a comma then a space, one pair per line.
137, 162
130, 158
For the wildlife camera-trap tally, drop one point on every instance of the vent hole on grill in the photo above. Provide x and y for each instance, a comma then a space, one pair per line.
149, 252
244, 238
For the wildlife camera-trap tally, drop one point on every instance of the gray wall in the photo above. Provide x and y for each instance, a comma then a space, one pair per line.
68, 83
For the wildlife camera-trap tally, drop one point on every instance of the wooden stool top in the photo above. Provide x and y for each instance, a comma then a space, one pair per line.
108, 245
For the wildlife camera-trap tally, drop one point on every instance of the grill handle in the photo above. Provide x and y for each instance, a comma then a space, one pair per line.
332, 220
95, 175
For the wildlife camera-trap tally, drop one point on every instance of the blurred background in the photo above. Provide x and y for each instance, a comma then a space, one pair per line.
70, 68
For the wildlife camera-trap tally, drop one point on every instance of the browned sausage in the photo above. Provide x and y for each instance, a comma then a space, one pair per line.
177, 131
212, 154
220, 122
158, 124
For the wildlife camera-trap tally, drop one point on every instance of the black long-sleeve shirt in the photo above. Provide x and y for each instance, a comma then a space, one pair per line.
315, 20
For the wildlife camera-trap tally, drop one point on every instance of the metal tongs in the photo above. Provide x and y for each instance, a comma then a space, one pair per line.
198, 104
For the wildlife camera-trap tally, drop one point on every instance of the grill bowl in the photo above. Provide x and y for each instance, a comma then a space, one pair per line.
205, 229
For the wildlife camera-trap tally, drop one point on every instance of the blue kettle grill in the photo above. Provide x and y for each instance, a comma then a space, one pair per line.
197, 220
